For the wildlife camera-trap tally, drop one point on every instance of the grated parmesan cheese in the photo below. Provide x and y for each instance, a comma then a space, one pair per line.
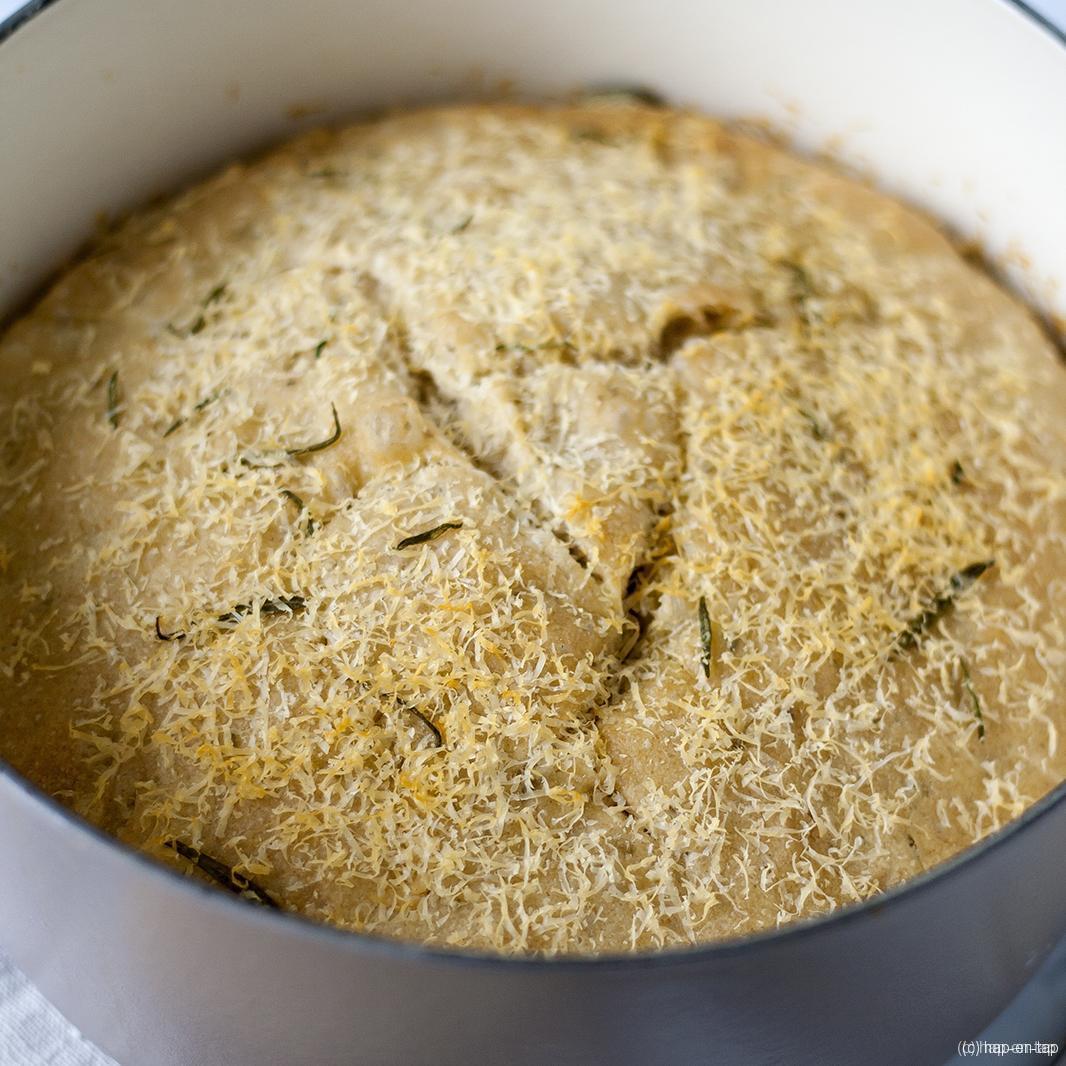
623, 362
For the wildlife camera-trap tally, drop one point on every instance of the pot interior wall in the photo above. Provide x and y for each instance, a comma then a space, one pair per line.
106, 104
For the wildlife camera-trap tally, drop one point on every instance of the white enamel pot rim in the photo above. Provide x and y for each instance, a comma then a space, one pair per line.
365, 942
982, 907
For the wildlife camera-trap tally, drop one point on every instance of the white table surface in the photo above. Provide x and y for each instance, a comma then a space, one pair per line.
34, 1033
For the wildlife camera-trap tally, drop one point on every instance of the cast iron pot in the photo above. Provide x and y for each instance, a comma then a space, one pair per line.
959, 106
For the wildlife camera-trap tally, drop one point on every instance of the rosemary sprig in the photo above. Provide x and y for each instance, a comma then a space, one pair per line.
437, 735
113, 399
301, 507
318, 446
968, 685
224, 875
178, 634
427, 535
706, 639
960, 582
279, 605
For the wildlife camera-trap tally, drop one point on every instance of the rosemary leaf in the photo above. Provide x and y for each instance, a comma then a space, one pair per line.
427, 535
816, 427
633, 630
280, 605
224, 875
215, 294
197, 408
977, 713
960, 582
437, 735
319, 347
639, 94
958, 475
335, 436
706, 639
462, 225
593, 135
112, 400
176, 635
199, 322
801, 280
301, 507
548, 346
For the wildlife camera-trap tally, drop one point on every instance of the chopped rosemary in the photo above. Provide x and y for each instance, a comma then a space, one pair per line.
595, 136
977, 713
437, 735
178, 634
800, 287
199, 322
197, 407
319, 347
801, 280
429, 534
301, 507
633, 630
112, 400
706, 639
958, 475
548, 346
462, 225
280, 605
326, 172
224, 875
641, 94
191, 330
960, 582
816, 427
335, 436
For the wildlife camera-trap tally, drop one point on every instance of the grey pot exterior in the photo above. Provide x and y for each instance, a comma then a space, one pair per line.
104, 103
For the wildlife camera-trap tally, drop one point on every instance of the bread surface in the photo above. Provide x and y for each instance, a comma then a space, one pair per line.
550, 530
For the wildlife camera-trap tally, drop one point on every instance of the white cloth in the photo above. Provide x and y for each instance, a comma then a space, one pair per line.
33, 1032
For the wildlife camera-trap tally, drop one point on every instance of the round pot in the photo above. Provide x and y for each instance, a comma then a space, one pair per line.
959, 107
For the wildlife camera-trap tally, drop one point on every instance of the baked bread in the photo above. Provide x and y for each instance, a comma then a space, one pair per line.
572, 529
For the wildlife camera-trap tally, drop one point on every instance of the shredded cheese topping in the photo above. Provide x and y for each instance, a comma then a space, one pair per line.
360, 503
